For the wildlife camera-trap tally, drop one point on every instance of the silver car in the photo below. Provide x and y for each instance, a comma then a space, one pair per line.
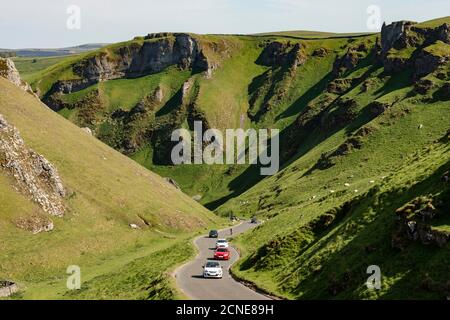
212, 269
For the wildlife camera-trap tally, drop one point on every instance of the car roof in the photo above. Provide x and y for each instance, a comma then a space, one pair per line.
222, 240
212, 264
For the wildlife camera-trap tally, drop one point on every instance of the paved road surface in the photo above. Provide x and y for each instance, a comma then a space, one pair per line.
189, 277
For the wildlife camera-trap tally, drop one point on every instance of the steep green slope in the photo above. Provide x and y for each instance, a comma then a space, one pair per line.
359, 119
30, 66
370, 159
237, 92
106, 192
332, 239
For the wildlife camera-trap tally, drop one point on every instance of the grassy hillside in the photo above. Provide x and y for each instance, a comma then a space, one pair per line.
332, 239
334, 208
311, 34
223, 100
28, 67
363, 124
106, 192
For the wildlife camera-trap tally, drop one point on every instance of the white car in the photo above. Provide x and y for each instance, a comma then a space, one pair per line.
222, 244
212, 269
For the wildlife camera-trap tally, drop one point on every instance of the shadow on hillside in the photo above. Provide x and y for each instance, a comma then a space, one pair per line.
344, 272
395, 82
303, 140
239, 185
171, 105
308, 96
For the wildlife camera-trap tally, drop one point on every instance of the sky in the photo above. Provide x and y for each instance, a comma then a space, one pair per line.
49, 24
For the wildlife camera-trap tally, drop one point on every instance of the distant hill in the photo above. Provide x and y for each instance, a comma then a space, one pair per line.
31, 52
311, 34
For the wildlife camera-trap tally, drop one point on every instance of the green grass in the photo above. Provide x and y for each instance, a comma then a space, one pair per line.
404, 53
433, 23
439, 49
144, 278
106, 192
292, 254
393, 158
126, 93
312, 34
224, 98
29, 67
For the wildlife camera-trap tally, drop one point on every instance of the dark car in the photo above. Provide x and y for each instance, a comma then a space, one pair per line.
253, 220
213, 234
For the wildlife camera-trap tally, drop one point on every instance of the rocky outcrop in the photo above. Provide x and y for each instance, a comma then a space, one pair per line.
277, 54
8, 70
404, 34
423, 86
35, 176
327, 160
376, 108
7, 288
346, 112
35, 224
396, 35
340, 86
414, 224
431, 35
320, 52
394, 64
151, 57
136, 60
158, 95
68, 86
444, 92
349, 60
427, 62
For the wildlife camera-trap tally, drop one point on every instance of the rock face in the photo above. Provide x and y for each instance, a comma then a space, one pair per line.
426, 63
278, 54
404, 34
423, 86
35, 224
158, 95
340, 86
320, 52
7, 288
376, 108
349, 60
137, 60
8, 70
441, 33
444, 91
36, 177
395, 35
414, 224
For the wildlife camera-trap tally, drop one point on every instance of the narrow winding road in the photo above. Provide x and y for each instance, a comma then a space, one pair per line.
191, 282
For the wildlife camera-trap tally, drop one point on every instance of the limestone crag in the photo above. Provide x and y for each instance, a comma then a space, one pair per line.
279, 54
405, 34
395, 36
35, 176
8, 70
427, 62
137, 60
